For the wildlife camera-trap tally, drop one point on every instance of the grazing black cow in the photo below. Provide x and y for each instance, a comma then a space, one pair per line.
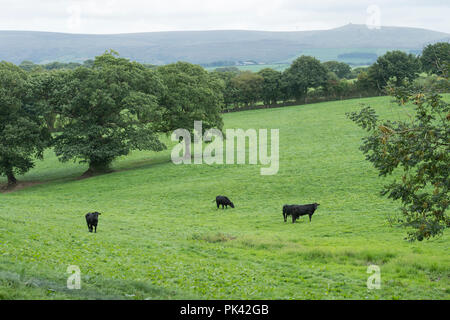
299, 210
92, 220
224, 201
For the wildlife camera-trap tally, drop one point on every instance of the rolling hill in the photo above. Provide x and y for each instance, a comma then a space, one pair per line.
220, 47
160, 236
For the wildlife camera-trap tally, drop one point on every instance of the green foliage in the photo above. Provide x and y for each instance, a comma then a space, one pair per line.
155, 233
192, 94
304, 73
435, 58
271, 87
107, 111
419, 148
394, 64
22, 135
356, 71
341, 69
248, 87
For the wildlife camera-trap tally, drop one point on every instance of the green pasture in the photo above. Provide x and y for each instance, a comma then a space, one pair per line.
160, 236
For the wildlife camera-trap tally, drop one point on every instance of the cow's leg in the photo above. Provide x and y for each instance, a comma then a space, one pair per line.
310, 217
217, 202
284, 217
90, 228
95, 228
223, 206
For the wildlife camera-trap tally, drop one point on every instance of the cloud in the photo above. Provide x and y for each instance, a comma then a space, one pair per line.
114, 16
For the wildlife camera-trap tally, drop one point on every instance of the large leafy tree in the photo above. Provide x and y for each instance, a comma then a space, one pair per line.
106, 111
23, 137
394, 64
192, 94
435, 58
304, 73
418, 149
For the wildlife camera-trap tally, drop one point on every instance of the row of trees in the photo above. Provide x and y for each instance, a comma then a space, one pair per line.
103, 109
97, 113
308, 78
107, 107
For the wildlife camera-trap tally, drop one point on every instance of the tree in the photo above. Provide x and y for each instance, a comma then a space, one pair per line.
394, 64
329, 88
23, 138
364, 84
435, 58
419, 149
47, 94
192, 94
248, 86
28, 65
341, 69
271, 87
230, 94
304, 73
107, 111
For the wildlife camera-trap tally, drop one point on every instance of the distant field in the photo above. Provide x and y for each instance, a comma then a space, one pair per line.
257, 67
160, 235
334, 54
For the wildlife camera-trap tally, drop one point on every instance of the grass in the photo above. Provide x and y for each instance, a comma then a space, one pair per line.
161, 237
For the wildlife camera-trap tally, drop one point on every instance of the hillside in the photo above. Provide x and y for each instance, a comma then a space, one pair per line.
206, 47
161, 237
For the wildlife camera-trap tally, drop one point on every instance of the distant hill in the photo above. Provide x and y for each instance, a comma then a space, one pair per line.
210, 47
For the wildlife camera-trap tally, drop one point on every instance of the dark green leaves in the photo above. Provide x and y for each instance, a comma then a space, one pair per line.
419, 149
107, 111
23, 136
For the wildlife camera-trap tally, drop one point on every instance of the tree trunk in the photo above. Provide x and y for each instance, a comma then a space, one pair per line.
12, 181
97, 167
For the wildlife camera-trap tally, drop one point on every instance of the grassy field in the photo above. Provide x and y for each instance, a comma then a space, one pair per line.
161, 237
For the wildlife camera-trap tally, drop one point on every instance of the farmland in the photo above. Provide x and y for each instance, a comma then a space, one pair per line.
161, 237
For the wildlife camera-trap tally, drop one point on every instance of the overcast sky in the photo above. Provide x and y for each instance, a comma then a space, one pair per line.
114, 16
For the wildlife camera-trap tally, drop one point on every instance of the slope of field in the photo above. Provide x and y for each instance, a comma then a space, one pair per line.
160, 235
203, 47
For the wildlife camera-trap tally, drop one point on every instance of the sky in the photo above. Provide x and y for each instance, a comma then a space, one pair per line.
114, 16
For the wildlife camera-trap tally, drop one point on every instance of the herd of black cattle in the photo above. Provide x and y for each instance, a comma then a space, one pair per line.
294, 210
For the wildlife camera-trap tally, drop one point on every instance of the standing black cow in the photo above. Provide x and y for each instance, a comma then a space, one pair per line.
92, 220
299, 210
224, 201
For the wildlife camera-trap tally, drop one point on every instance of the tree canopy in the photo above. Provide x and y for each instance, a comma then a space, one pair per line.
417, 148
394, 64
192, 94
271, 86
435, 58
304, 73
23, 138
107, 111
341, 69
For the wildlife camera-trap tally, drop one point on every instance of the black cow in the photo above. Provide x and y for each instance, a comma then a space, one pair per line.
224, 201
299, 210
92, 220
287, 211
